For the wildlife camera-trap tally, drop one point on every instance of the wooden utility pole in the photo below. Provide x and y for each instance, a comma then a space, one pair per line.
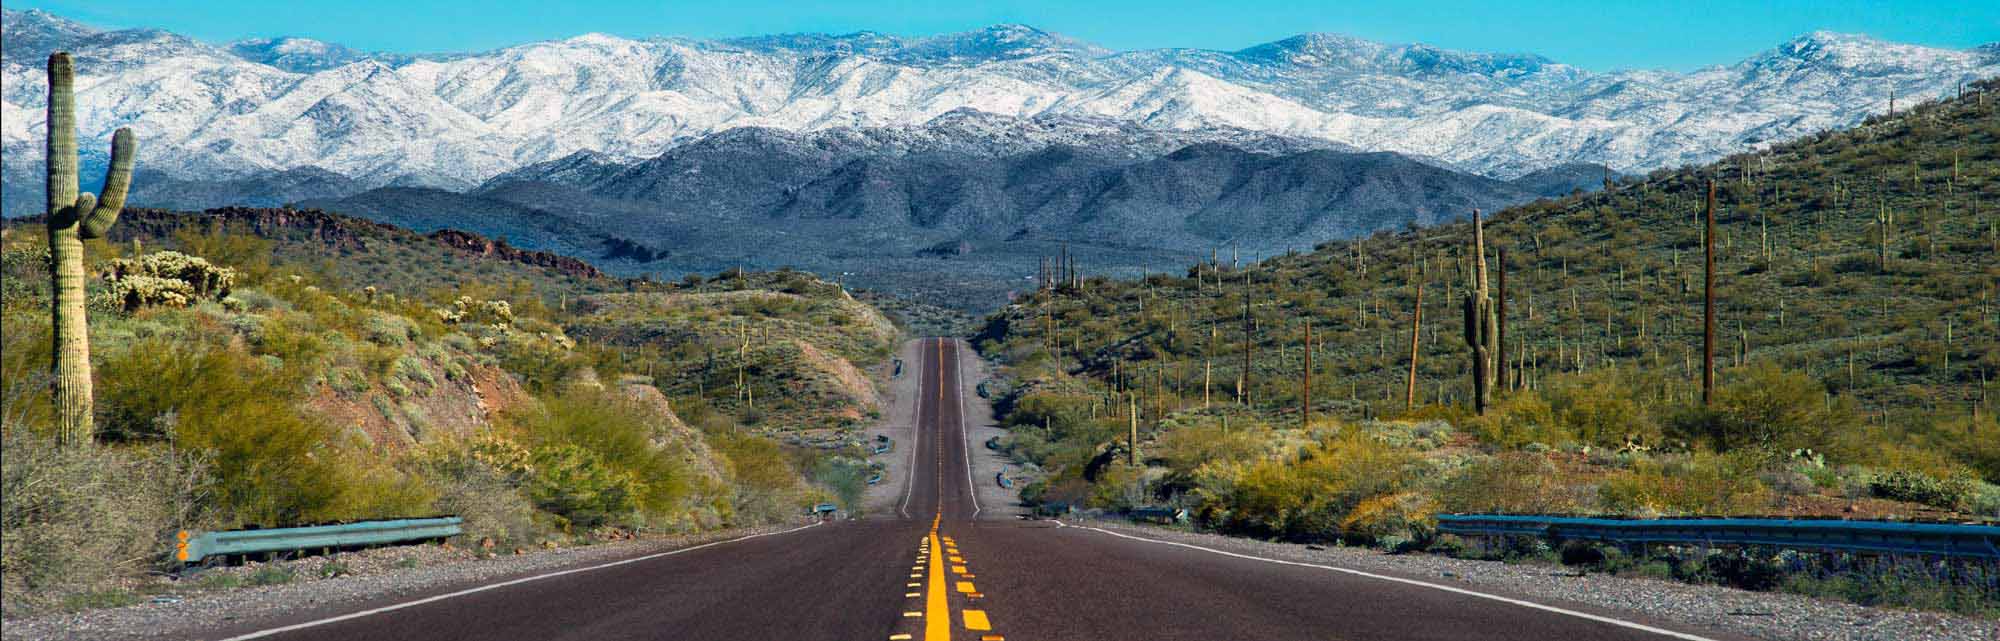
1132, 434
1243, 381
1416, 333
1500, 315
1708, 301
1306, 395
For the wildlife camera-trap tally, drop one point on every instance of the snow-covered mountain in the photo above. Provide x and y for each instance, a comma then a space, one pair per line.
261, 107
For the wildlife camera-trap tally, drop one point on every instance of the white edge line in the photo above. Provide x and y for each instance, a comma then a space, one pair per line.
1461, 591
492, 586
916, 418
965, 438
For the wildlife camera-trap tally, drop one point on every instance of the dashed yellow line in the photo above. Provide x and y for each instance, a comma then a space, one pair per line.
966, 587
976, 620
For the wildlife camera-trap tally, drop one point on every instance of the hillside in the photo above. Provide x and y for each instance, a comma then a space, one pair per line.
868, 203
1855, 369
278, 367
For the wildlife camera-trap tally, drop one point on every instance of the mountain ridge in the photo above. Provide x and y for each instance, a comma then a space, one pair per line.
456, 120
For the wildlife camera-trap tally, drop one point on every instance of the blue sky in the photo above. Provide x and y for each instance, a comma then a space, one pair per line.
1607, 34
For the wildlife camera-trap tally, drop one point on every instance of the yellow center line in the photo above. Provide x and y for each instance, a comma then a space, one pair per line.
937, 625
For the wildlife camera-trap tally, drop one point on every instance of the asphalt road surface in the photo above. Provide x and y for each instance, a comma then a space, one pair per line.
934, 569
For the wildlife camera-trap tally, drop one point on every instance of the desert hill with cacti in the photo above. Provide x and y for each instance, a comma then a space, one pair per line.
1855, 348
279, 367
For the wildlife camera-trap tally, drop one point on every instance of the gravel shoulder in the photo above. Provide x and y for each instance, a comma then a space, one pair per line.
995, 502
187, 610
1763, 615
899, 421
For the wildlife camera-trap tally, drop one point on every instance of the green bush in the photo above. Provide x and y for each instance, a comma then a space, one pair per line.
1951, 493
575, 484
272, 463
1763, 406
1515, 483
1700, 484
595, 462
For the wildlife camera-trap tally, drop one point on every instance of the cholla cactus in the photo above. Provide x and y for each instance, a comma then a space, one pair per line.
132, 293
499, 311
169, 279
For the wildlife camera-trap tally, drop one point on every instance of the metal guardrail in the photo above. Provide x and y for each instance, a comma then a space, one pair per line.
194, 547
1943, 539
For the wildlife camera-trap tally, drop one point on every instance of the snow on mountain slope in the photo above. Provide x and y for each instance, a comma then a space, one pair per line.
454, 121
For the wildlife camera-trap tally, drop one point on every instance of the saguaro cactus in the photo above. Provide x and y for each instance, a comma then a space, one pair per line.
72, 218
1481, 322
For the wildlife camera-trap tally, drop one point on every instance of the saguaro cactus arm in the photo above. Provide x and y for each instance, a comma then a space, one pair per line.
117, 180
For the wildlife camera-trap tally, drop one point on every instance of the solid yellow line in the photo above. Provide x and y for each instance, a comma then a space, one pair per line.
937, 626
976, 620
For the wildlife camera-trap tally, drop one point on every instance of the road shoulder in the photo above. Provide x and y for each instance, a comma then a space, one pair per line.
981, 425
197, 615
899, 420
1762, 615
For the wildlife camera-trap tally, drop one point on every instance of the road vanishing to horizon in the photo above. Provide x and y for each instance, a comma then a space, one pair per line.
942, 566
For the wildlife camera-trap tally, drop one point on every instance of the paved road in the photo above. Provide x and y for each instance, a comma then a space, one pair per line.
934, 569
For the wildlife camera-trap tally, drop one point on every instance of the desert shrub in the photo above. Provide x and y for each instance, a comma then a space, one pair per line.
481, 482
273, 464
1696, 484
389, 330
276, 573
767, 487
1602, 408
1517, 420
245, 251
602, 444
76, 520
1951, 493
1391, 520
1187, 449
846, 477
575, 483
1762, 406
1305, 498
1513, 483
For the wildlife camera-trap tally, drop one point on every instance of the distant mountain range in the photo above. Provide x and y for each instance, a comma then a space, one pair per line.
453, 121
999, 191
866, 153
